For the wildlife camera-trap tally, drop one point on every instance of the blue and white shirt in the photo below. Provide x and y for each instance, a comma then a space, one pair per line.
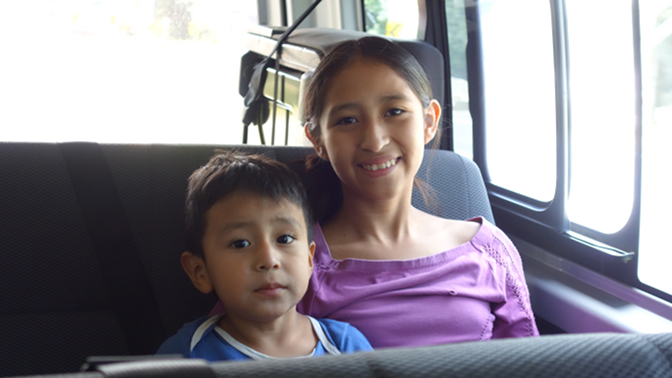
203, 338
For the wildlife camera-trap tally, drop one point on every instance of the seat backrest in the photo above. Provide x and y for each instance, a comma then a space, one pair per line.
57, 305
576, 355
321, 40
303, 51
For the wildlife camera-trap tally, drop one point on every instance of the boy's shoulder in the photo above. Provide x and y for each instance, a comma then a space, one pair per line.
196, 339
202, 339
345, 337
180, 343
334, 326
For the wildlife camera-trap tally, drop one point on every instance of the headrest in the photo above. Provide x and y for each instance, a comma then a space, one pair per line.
305, 48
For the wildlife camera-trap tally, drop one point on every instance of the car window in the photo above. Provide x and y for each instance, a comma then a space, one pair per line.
122, 71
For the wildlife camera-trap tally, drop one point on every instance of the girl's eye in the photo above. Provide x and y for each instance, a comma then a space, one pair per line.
285, 239
239, 244
346, 121
394, 112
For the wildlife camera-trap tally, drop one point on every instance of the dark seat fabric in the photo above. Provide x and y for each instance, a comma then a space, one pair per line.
576, 356
55, 306
54, 309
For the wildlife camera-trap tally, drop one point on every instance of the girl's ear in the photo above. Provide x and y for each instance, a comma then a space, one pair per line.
432, 117
194, 266
321, 151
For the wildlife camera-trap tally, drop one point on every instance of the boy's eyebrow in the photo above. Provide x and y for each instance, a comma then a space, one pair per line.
291, 220
235, 226
242, 224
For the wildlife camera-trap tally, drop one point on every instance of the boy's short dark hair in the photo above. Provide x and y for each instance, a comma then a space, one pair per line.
230, 172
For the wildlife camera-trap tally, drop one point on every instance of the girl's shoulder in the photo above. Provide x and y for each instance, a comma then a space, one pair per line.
489, 234
478, 233
450, 233
494, 243
477, 229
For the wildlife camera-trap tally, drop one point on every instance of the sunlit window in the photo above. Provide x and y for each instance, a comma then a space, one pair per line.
655, 257
602, 113
519, 94
131, 71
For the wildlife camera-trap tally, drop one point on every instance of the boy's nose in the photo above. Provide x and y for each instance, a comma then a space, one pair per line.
375, 136
267, 258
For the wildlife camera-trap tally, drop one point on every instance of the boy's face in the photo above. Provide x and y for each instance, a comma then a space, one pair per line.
257, 257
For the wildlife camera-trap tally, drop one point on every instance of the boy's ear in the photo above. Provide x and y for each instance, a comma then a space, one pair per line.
311, 255
321, 151
194, 266
432, 117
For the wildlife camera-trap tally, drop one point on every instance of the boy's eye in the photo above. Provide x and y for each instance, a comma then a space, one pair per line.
285, 239
394, 112
239, 244
346, 121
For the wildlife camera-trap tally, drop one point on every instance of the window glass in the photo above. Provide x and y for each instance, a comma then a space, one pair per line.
131, 71
656, 205
457, 44
393, 18
520, 116
287, 128
602, 113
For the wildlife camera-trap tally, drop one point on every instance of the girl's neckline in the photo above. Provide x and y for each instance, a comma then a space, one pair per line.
437, 258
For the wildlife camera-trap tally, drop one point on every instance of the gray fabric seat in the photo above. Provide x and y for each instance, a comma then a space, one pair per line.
576, 356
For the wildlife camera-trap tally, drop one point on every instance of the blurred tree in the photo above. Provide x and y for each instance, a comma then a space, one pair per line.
457, 37
375, 16
177, 11
663, 56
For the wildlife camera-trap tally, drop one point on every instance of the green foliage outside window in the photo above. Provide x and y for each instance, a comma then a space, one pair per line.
375, 16
457, 38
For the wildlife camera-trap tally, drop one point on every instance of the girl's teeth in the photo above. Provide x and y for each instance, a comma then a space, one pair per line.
384, 165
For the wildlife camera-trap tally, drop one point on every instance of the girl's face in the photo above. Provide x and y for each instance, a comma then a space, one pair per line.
373, 130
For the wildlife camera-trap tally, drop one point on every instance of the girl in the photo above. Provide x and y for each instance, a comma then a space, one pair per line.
401, 276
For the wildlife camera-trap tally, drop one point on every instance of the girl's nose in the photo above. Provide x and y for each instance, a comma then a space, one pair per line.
375, 136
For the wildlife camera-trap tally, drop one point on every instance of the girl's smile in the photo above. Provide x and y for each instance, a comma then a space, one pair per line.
376, 166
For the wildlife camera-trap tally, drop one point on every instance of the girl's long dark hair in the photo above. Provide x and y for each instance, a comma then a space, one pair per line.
325, 195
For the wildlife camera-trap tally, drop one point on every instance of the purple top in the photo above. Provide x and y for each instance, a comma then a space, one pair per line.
475, 291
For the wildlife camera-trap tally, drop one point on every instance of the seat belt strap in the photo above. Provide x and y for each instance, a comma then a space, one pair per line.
253, 100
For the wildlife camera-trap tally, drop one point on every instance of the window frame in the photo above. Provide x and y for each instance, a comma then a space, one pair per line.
547, 224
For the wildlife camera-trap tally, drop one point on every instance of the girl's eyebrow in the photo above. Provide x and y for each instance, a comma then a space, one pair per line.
349, 105
394, 97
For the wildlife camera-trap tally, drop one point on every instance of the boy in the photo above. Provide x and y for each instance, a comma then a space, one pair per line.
249, 238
